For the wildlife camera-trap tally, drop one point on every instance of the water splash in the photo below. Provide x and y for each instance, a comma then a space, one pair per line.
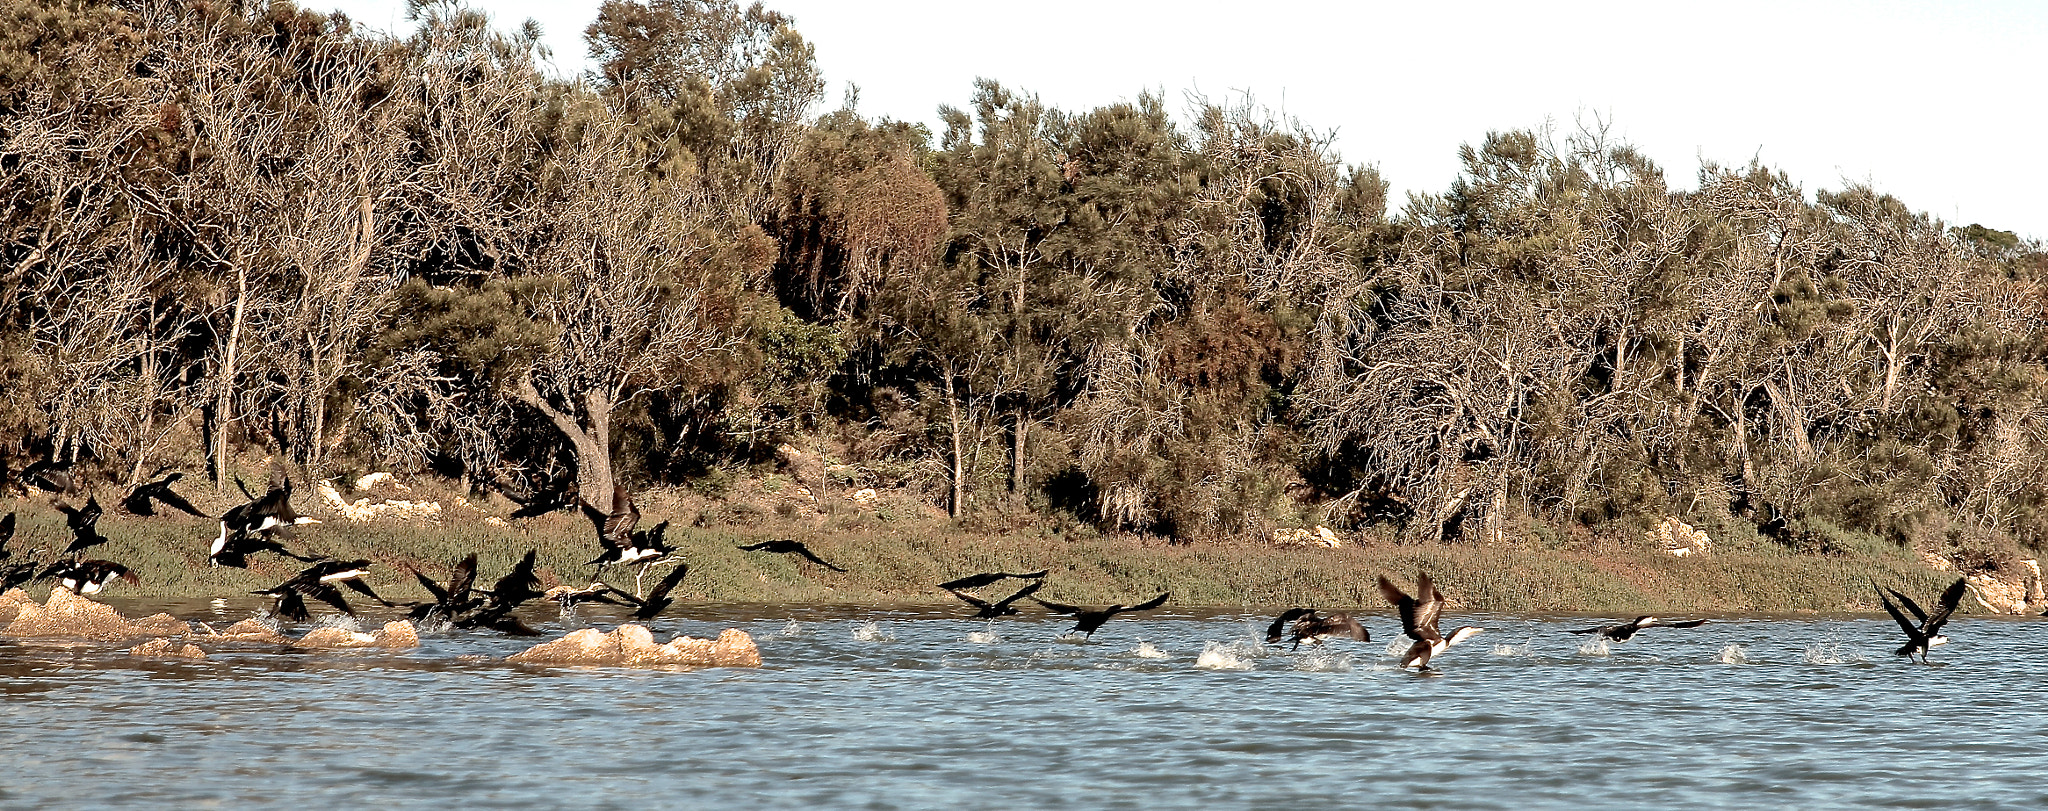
871, 632
1733, 654
983, 637
1322, 661
1396, 647
1223, 656
1596, 647
1145, 650
1831, 652
434, 625
1518, 651
342, 621
792, 629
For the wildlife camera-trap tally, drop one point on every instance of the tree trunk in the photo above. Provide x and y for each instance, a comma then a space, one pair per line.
1022, 424
224, 382
592, 444
959, 499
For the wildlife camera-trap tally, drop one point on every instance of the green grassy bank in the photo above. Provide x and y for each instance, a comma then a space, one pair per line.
900, 564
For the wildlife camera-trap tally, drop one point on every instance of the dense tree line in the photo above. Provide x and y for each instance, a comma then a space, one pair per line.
231, 229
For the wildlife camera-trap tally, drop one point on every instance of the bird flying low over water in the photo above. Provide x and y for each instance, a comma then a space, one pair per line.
143, 499
1928, 633
1623, 632
985, 610
788, 546
318, 582
1089, 619
975, 581
615, 532
516, 588
84, 523
88, 576
1314, 627
1418, 620
656, 601
449, 602
253, 527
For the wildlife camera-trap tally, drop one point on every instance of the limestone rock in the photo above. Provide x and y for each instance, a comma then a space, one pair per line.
12, 602
397, 634
165, 648
370, 508
1321, 537
68, 616
330, 637
634, 646
1679, 539
253, 631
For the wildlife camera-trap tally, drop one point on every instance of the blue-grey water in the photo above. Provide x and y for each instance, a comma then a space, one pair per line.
916, 708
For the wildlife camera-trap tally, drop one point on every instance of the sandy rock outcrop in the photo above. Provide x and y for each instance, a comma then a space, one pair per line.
12, 602
634, 646
252, 631
167, 648
69, 616
380, 503
398, 634
1321, 537
1678, 539
2015, 593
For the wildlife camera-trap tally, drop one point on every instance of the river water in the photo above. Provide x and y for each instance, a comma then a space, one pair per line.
916, 708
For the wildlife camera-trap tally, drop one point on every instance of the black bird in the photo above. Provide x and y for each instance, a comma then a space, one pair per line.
21, 574
985, 610
53, 475
615, 530
1089, 619
516, 588
565, 496
975, 581
1928, 633
6, 534
84, 524
318, 582
1418, 620
88, 576
142, 500
1314, 627
657, 600
250, 528
449, 602
1623, 632
789, 546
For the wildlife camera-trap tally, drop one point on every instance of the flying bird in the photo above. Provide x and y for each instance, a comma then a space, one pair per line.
568, 598
1927, 634
788, 546
1089, 619
253, 527
450, 601
1623, 632
318, 582
88, 576
516, 588
657, 600
566, 495
985, 610
84, 524
975, 581
53, 475
1418, 620
143, 499
1315, 627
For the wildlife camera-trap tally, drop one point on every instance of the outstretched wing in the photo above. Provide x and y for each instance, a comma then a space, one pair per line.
1909, 604
1401, 601
1951, 598
433, 588
1279, 626
1059, 608
813, 557
973, 581
668, 583
1148, 604
1593, 630
463, 579
177, 502
1021, 594
971, 600
1682, 624
1912, 630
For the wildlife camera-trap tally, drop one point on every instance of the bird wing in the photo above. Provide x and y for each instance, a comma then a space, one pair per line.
1146, 605
1059, 608
1593, 630
596, 516
1909, 604
1912, 630
1021, 594
463, 579
330, 595
618, 527
433, 588
1951, 598
6, 531
812, 557
668, 583
1429, 604
1682, 624
973, 581
1344, 623
292, 607
1274, 631
971, 600
177, 502
360, 587
1401, 601
520, 584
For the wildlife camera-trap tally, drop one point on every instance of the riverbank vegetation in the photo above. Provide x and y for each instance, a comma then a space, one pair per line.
233, 232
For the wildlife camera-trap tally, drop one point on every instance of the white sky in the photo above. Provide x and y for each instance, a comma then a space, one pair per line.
1940, 104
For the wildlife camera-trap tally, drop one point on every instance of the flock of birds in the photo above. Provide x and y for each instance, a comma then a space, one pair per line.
265, 522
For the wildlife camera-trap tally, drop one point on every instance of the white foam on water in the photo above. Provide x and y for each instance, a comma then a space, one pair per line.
1517, 651
1222, 656
983, 637
1397, 646
871, 632
1322, 661
342, 621
792, 629
1733, 654
1596, 647
1831, 652
1145, 650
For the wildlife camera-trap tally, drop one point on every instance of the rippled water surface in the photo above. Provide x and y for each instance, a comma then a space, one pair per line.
876, 708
